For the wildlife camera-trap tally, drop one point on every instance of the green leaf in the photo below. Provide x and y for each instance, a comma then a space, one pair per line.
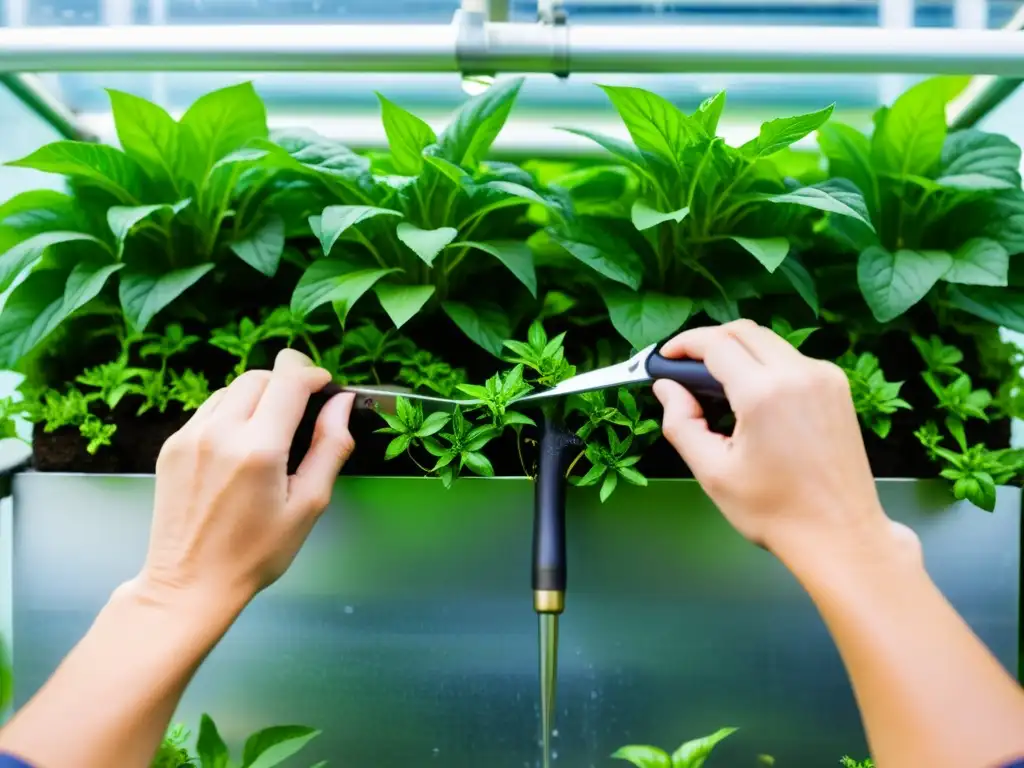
710, 112
849, 157
477, 124
338, 218
106, 167
894, 282
798, 276
720, 309
611, 480
478, 464
975, 160
624, 266
122, 219
631, 475
40, 210
145, 292
646, 317
783, 132
210, 747
694, 753
219, 123
272, 746
979, 261
402, 302
517, 191
833, 196
910, 137
452, 171
433, 424
770, 251
27, 253
644, 757
516, 256
645, 217
620, 149
426, 243
407, 136
656, 125
146, 132
1002, 306
262, 248
333, 281
486, 326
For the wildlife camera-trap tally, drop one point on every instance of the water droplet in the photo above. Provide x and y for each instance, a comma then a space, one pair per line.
349, 609
593, 695
554, 734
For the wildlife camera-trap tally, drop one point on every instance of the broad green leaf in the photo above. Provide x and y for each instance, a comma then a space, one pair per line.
210, 747
720, 309
145, 292
407, 136
220, 122
975, 160
457, 175
656, 125
645, 317
333, 281
272, 746
42, 301
425, 243
98, 164
801, 280
710, 112
517, 190
338, 218
306, 151
478, 464
477, 124
645, 217
1002, 306
619, 148
402, 302
979, 261
909, 137
693, 754
122, 219
40, 210
849, 157
837, 196
516, 256
147, 133
28, 252
644, 757
894, 282
624, 266
611, 480
262, 248
783, 132
486, 326
770, 251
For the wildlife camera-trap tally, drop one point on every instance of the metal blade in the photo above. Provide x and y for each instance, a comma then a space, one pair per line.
384, 397
632, 371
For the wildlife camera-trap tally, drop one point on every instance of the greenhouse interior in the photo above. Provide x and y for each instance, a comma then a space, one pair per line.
471, 202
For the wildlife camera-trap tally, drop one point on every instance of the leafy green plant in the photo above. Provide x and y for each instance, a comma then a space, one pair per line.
849, 762
263, 749
692, 754
153, 217
711, 224
419, 228
874, 398
173, 752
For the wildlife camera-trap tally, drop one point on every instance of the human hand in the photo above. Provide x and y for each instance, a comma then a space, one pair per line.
228, 519
794, 473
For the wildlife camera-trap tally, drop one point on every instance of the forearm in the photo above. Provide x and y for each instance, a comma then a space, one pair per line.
929, 691
111, 699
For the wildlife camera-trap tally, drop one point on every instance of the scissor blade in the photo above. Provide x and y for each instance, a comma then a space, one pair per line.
370, 397
631, 371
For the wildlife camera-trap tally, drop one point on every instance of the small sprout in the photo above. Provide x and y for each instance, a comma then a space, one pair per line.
796, 337
113, 380
849, 762
409, 426
938, 357
173, 342
958, 397
173, 750
238, 340
545, 358
97, 433
421, 370
58, 410
498, 393
153, 389
692, 754
190, 389
610, 463
461, 448
874, 398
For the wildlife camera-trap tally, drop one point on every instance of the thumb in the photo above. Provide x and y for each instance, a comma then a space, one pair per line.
332, 444
686, 429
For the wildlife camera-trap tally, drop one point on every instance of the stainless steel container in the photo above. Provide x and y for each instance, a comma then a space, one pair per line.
405, 629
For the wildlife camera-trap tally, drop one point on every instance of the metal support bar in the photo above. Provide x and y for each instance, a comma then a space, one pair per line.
986, 93
513, 47
36, 97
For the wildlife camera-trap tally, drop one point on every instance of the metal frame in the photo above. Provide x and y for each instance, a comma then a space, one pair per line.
986, 93
34, 95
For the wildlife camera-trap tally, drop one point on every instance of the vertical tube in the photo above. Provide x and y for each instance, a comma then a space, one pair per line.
894, 14
549, 562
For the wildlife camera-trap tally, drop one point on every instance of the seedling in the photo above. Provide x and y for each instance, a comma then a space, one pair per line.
692, 754
544, 357
191, 389
874, 398
461, 447
264, 749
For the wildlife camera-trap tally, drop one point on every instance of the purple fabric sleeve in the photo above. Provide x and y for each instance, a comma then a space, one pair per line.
6, 761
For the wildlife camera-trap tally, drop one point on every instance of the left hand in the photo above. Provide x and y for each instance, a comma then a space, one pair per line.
228, 519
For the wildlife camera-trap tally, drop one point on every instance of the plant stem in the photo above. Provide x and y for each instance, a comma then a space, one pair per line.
422, 468
370, 247
574, 462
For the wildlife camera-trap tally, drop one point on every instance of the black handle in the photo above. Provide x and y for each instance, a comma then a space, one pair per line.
692, 374
549, 562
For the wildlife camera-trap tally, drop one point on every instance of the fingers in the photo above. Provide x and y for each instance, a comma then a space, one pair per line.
729, 361
242, 396
766, 345
204, 411
332, 444
686, 429
286, 396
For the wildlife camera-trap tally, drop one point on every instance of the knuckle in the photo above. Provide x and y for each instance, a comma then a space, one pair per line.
260, 458
743, 324
346, 444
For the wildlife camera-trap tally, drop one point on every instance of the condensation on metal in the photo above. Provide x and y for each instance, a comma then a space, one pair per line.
406, 631
513, 47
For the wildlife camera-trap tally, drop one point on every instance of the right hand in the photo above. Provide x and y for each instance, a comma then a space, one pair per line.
795, 468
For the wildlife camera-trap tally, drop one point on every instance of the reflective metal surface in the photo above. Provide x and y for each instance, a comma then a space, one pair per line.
406, 628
